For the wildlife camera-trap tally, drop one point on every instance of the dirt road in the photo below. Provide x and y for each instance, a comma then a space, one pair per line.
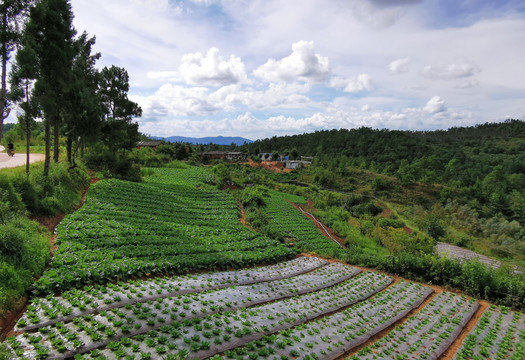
19, 159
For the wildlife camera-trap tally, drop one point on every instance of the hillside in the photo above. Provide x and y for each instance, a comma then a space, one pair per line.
466, 183
130, 305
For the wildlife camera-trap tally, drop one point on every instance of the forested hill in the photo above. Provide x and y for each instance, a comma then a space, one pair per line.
369, 142
463, 154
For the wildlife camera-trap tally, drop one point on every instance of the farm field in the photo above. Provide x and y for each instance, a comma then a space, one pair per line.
288, 222
119, 288
171, 224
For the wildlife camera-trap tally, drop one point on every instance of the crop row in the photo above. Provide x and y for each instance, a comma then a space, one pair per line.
225, 331
289, 222
127, 230
87, 332
426, 335
332, 336
92, 299
499, 334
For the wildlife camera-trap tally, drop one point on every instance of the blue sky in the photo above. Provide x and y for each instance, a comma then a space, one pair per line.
259, 68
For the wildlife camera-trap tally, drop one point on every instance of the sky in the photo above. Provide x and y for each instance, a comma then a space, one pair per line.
263, 68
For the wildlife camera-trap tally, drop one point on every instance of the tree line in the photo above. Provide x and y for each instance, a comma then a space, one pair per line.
54, 80
483, 164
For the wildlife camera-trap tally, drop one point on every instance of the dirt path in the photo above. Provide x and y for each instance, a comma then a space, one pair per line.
454, 347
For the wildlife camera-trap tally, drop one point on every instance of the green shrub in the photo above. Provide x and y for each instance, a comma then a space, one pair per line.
24, 251
176, 164
386, 223
254, 197
10, 201
382, 184
117, 166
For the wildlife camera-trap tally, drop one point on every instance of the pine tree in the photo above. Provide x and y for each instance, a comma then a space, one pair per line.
49, 33
12, 13
119, 131
84, 110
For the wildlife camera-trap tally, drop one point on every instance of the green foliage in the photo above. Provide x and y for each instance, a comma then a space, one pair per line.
361, 205
472, 277
382, 184
434, 228
40, 195
119, 166
171, 224
324, 178
24, 251
393, 223
10, 201
255, 197
222, 174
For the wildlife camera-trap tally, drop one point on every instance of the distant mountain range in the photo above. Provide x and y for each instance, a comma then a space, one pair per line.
219, 140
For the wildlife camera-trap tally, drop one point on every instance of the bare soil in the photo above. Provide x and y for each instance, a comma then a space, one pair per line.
275, 166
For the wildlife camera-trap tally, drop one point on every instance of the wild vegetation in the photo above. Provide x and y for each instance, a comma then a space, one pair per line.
463, 186
24, 244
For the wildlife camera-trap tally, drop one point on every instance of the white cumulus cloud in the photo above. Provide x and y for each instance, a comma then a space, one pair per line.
435, 105
302, 64
212, 69
458, 70
359, 83
399, 66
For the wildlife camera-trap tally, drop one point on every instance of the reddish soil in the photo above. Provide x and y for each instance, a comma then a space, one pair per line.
386, 331
49, 222
386, 212
243, 214
449, 354
270, 165
9, 319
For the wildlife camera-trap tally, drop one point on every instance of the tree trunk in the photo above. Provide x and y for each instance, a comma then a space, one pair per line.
4, 77
28, 129
56, 128
69, 147
28, 142
47, 135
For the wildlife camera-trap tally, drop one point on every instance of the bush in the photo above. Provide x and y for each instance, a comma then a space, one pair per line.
386, 223
59, 192
434, 228
120, 167
24, 251
10, 201
381, 184
254, 197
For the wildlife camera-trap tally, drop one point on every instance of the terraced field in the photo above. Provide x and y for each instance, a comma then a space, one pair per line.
297, 307
171, 224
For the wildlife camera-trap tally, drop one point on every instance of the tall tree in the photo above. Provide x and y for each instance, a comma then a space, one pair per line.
84, 111
119, 130
49, 33
22, 85
12, 12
